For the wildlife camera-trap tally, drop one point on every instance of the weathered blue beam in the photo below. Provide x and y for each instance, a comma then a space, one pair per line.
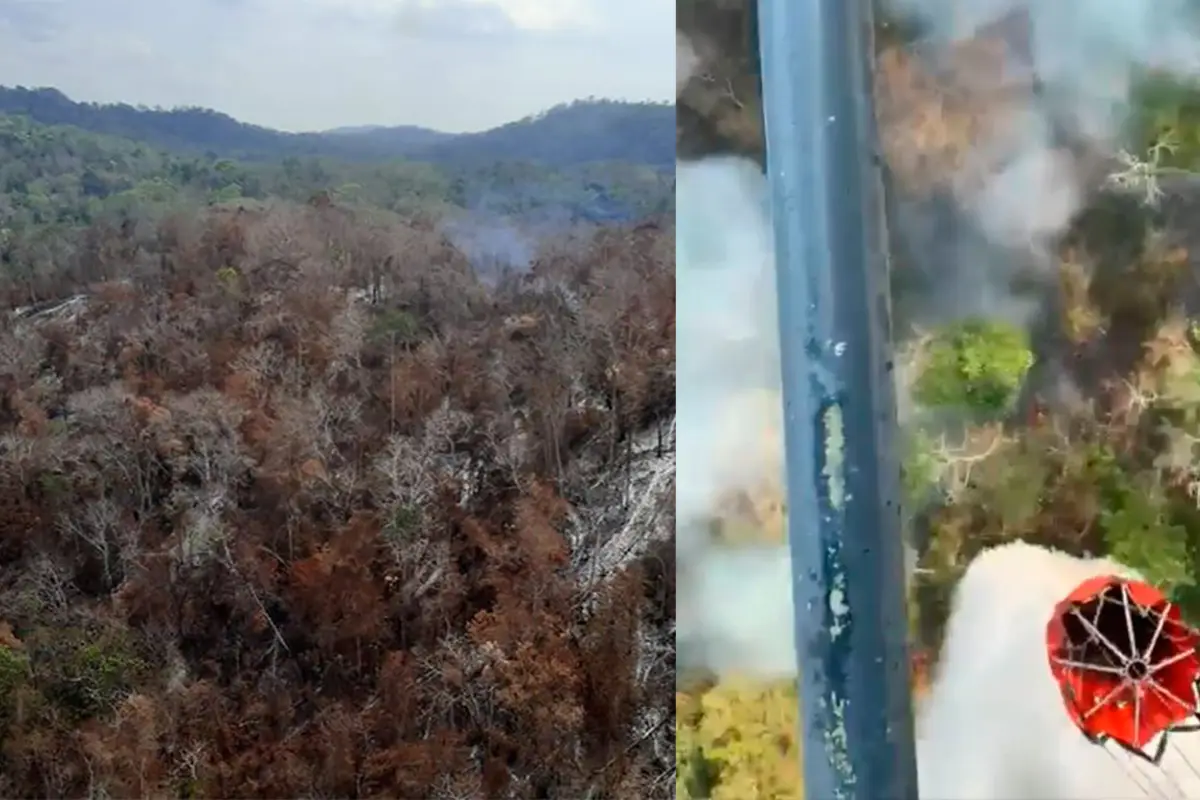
839, 407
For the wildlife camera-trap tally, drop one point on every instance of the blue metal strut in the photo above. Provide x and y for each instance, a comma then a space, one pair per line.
844, 523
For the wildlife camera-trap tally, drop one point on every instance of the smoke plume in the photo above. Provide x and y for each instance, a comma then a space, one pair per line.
734, 611
686, 61
1034, 103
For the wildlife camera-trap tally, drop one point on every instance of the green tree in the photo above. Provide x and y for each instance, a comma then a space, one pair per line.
976, 366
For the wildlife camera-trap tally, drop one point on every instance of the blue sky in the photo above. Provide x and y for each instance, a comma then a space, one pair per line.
454, 65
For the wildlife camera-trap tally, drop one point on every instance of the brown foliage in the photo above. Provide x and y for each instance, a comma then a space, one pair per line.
270, 527
938, 112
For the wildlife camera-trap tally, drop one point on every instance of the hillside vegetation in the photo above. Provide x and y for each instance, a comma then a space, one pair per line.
299, 500
57, 180
1064, 409
576, 133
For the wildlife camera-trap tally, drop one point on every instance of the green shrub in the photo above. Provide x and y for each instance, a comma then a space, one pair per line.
398, 326
55, 485
83, 672
403, 521
976, 367
918, 468
14, 672
1166, 111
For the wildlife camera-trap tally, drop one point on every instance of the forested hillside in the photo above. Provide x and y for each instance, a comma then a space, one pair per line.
1045, 294
322, 478
55, 180
572, 134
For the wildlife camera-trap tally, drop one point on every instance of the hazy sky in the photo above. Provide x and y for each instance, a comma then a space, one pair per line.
454, 65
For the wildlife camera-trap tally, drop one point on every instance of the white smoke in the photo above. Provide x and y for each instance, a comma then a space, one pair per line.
738, 617
1086, 57
687, 61
734, 611
1086, 54
726, 335
1032, 198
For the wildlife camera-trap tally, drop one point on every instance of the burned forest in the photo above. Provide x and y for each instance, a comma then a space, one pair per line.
304, 494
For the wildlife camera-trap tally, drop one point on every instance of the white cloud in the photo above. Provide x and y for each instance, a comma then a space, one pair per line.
525, 15
547, 15
310, 64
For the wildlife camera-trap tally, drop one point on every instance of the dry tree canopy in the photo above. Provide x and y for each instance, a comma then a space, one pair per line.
939, 108
296, 505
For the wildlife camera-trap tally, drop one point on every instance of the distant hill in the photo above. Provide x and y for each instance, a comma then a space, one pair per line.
403, 139
578, 133
361, 129
591, 131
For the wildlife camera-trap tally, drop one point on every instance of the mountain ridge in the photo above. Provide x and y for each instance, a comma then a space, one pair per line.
580, 132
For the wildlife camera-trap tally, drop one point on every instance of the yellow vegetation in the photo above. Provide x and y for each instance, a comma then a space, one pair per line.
738, 740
